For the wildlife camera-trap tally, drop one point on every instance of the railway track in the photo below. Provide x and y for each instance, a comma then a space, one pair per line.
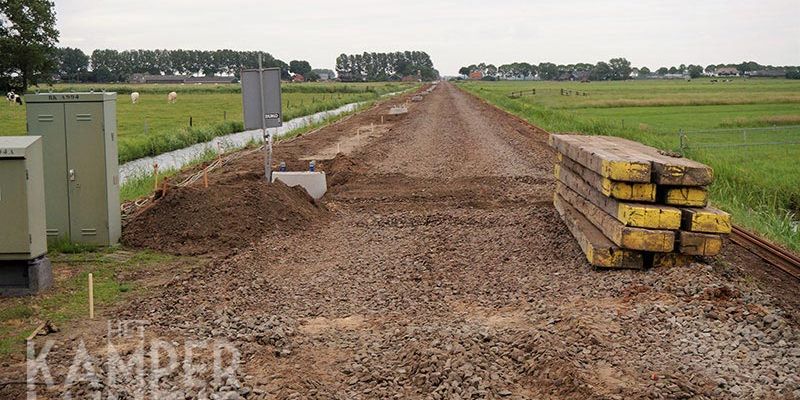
780, 258
774, 255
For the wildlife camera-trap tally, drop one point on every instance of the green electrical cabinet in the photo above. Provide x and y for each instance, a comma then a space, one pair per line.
22, 220
81, 171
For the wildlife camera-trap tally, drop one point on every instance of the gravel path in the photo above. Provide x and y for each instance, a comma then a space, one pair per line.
444, 272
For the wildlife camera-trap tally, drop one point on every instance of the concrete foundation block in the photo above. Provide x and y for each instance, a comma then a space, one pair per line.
398, 110
25, 277
313, 182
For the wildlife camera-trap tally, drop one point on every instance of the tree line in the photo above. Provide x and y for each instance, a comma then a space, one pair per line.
115, 66
373, 67
614, 69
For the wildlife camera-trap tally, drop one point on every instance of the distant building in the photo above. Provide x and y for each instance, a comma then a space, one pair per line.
178, 79
165, 79
324, 77
476, 75
767, 73
727, 71
210, 80
298, 78
582, 76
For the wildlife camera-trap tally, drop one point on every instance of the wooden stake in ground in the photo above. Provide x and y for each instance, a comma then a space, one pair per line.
91, 296
205, 177
155, 176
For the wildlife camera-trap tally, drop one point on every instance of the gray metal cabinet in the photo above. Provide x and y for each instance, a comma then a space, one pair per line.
81, 169
22, 215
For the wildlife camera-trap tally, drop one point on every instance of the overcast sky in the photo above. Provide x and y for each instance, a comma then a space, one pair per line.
454, 33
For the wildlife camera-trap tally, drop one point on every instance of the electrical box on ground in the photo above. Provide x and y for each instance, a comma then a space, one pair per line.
24, 269
81, 171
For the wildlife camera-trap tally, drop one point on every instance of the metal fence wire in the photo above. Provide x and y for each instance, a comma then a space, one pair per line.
787, 135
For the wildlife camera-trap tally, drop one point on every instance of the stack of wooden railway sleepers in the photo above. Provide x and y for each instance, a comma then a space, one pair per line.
632, 206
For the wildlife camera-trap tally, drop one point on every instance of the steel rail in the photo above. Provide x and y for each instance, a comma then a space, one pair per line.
777, 256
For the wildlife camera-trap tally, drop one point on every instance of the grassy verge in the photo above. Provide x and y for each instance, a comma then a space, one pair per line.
68, 301
759, 187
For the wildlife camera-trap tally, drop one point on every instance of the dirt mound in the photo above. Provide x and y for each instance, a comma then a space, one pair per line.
340, 169
231, 214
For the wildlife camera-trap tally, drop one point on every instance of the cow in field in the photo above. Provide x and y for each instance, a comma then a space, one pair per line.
135, 97
172, 97
13, 98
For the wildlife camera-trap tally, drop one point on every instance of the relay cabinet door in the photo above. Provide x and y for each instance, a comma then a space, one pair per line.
13, 188
86, 173
48, 122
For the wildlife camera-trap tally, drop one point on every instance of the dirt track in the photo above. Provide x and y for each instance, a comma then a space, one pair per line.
440, 269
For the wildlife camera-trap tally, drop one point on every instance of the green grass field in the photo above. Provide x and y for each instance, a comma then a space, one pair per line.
153, 126
759, 185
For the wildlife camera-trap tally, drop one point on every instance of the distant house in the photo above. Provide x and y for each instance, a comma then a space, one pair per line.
476, 75
727, 71
582, 76
767, 73
565, 76
324, 77
165, 79
298, 78
178, 79
210, 80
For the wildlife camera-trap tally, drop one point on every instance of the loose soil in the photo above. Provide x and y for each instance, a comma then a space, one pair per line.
436, 267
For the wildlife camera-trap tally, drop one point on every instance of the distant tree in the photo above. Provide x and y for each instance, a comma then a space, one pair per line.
299, 67
748, 66
662, 71
620, 69
381, 66
644, 71
793, 73
28, 36
695, 71
711, 68
601, 72
311, 76
491, 70
673, 70
73, 64
548, 71
464, 71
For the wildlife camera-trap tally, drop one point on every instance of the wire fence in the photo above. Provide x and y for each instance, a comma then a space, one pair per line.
740, 138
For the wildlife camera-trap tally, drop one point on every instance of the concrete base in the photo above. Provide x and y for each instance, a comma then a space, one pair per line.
313, 182
398, 110
25, 277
